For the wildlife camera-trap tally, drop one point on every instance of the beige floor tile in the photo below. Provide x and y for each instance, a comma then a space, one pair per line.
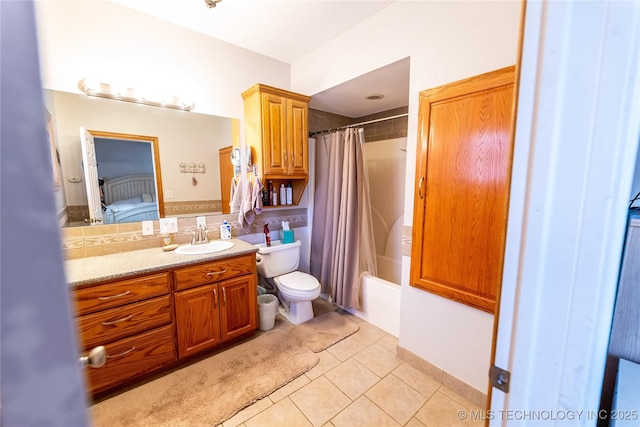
326, 363
329, 424
283, 413
286, 390
457, 398
414, 423
320, 401
352, 378
368, 334
247, 413
363, 413
378, 360
416, 379
346, 348
441, 411
396, 398
389, 342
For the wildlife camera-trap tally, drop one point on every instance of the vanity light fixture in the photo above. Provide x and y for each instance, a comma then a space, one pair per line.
93, 87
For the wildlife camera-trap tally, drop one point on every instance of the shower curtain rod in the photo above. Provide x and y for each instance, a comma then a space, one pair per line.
360, 124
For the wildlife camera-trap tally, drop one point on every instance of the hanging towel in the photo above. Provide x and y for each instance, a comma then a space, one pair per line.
246, 211
256, 197
236, 196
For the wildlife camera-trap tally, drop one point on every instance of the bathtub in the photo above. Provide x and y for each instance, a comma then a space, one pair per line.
380, 304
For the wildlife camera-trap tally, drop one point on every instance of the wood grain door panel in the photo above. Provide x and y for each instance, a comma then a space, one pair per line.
462, 189
238, 307
197, 314
275, 133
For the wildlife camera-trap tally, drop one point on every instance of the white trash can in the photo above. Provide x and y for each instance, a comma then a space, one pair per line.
267, 309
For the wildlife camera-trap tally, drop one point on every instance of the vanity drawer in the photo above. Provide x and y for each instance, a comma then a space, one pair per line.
95, 298
214, 271
132, 357
113, 324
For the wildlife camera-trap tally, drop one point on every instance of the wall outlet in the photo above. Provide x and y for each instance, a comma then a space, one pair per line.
147, 228
201, 220
168, 194
168, 225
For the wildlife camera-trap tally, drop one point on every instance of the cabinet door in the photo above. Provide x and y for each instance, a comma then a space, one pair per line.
462, 188
274, 134
298, 137
238, 306
197, 321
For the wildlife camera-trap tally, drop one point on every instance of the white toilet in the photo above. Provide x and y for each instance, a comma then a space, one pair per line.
297, 289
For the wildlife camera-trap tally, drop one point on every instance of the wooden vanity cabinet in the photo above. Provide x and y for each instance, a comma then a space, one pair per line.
133, 320
276, 123
215, 302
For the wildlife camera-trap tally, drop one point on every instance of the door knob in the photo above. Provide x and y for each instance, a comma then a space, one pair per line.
96, 358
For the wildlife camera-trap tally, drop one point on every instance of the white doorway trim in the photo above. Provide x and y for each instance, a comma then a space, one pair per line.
577, 135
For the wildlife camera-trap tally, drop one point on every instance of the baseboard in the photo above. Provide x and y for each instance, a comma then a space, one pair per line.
452, 383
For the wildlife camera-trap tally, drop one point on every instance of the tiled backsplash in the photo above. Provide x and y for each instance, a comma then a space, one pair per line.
81, 242
379, 131
192, 207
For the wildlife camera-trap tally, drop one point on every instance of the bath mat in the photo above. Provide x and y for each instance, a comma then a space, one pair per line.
324, 331
211, 390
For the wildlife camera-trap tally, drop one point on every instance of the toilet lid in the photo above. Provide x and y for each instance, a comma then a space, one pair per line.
299, 281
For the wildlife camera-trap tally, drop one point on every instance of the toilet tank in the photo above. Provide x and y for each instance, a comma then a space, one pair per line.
277, 259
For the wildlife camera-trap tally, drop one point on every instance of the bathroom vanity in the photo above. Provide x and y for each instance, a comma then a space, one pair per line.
152, 310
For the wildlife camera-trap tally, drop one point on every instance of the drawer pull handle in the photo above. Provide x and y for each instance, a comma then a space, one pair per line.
215, 298
124, 353
113, 322
224, 299
114, 296
215, 273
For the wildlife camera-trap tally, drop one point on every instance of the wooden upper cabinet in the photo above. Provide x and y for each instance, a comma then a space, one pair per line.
276, 123
462, 188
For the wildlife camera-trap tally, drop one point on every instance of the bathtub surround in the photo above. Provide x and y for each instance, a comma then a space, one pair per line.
214, 389
80, 242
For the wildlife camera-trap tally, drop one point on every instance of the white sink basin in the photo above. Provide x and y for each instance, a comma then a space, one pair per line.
204, 248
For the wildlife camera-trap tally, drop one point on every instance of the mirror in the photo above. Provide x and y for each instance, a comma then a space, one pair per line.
183, 138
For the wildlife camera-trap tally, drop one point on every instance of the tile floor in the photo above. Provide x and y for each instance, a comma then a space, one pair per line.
360, 382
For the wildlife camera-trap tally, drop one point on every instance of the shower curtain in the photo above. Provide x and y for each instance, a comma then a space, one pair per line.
342, 246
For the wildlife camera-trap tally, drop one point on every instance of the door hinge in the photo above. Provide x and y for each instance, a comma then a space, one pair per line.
500, 378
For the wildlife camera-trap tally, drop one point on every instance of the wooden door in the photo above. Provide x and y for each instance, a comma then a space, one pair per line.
238, 302
298, 137
226, 175
197, 319
462, 188
274, 134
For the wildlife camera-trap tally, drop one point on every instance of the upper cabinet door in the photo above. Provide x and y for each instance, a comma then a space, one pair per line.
462, 188
274, 134
298, 150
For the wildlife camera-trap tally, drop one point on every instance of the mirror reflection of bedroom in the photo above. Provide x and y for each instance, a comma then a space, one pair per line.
127, 183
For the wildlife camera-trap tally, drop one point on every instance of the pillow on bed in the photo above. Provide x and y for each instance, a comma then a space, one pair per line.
146, 198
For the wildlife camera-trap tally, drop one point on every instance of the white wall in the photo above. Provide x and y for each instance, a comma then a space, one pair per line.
446, 41
102, 39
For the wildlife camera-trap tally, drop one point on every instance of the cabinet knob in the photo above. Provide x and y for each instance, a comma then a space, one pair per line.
96, 358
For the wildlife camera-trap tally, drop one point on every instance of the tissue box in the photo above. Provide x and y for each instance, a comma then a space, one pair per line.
287, 236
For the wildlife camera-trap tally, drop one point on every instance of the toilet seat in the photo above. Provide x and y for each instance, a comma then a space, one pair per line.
298, 284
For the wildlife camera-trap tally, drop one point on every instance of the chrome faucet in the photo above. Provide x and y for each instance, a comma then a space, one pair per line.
202, 236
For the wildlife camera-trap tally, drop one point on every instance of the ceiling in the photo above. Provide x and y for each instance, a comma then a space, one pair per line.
285, 30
